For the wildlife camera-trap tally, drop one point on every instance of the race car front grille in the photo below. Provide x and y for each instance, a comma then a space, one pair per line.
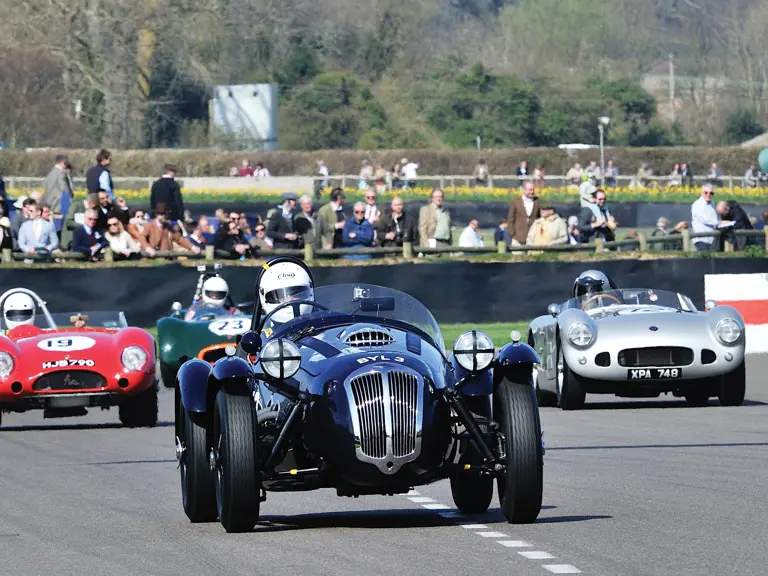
70, 380
657, 356
369, 338
368, 391
386, 404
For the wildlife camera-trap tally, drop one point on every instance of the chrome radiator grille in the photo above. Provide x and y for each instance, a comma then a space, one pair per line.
387, 407
403, 393
368, 391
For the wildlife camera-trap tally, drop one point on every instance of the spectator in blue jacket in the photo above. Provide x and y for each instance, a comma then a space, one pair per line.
357, 233
87, 240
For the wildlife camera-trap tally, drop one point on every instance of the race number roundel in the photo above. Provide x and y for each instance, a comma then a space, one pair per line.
229, 327
66, 343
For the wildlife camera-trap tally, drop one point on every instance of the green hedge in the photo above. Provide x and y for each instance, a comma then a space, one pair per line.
142, 163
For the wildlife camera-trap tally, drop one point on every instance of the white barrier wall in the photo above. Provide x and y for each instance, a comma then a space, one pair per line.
748, 293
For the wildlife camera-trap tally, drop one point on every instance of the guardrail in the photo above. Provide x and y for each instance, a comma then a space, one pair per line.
444, 181
643, 243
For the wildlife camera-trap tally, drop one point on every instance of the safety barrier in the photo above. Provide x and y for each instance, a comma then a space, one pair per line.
748, 293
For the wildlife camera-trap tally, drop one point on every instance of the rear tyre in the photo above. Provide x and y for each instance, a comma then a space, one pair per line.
237, 475
198, 490
141, 410
521, 486
570, 394
733, 387
472, 492
167, 375
697, 398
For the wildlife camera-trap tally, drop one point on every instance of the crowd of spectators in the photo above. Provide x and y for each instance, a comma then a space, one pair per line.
46, 224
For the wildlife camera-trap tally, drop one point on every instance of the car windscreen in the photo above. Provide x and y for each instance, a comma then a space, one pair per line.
368, 301
632, 297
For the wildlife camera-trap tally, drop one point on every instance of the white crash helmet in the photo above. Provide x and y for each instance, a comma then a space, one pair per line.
281, 283
19, 309
215, 291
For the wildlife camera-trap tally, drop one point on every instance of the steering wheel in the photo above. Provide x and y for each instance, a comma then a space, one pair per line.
596, 296
296, 311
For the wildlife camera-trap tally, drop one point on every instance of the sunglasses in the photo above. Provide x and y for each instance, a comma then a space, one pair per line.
112, 223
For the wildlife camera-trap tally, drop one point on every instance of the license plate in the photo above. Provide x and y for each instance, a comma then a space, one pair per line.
654, 373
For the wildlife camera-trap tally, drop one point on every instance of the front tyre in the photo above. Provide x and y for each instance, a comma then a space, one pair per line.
733, 387
141, 410
198, 490
167, 375
570, 393
237, 475
522, 485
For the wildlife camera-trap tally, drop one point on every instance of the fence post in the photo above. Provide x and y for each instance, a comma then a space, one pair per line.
765, 231
8, 257
502, 246
727, 245
408, 249
599, 247
686, 240
643, 241
309, 253
209, 251
108, 255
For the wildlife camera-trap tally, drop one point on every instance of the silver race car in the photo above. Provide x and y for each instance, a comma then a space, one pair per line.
636, 343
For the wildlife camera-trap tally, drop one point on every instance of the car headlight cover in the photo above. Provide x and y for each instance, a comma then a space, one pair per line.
281, 358
580, 334
728, 331
133, 358
474, 350
6, 364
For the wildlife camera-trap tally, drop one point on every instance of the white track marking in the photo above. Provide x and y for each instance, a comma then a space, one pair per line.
536, 555
561, 569
453, 513
514, 543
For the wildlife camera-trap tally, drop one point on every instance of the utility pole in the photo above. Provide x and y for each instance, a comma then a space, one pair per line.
672, 86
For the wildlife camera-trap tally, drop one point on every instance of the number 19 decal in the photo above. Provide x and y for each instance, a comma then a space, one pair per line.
66, 344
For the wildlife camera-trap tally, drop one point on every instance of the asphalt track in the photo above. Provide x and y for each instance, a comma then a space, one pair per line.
631, 488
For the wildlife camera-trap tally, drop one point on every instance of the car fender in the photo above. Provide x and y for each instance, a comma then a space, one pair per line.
514, 362
193, 378
233, 367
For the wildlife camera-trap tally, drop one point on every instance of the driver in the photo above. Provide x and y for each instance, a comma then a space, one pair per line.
281, 283
591, 283
18, 310
215, 292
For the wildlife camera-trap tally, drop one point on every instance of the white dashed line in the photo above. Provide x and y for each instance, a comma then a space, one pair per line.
562, 569
448, 512
536, 555
514, 544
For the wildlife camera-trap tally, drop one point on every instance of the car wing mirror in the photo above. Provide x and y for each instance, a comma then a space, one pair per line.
709, 305
553, 309
251, 343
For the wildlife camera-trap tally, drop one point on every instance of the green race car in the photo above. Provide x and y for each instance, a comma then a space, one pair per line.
211, 319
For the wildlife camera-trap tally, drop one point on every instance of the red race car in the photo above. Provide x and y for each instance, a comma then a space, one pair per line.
66, 363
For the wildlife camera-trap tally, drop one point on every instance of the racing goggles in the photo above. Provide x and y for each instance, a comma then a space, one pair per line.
215, 295
19, 315
280, 295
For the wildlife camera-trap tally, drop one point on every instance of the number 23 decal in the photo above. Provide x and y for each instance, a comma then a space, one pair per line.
234, 326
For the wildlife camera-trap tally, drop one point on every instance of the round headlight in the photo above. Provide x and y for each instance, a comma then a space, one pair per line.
474, 350
728, 331
6, 364
580, 334
133, 358
281, 359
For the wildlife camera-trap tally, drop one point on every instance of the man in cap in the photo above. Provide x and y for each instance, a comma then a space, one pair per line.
282, 228
549, 229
